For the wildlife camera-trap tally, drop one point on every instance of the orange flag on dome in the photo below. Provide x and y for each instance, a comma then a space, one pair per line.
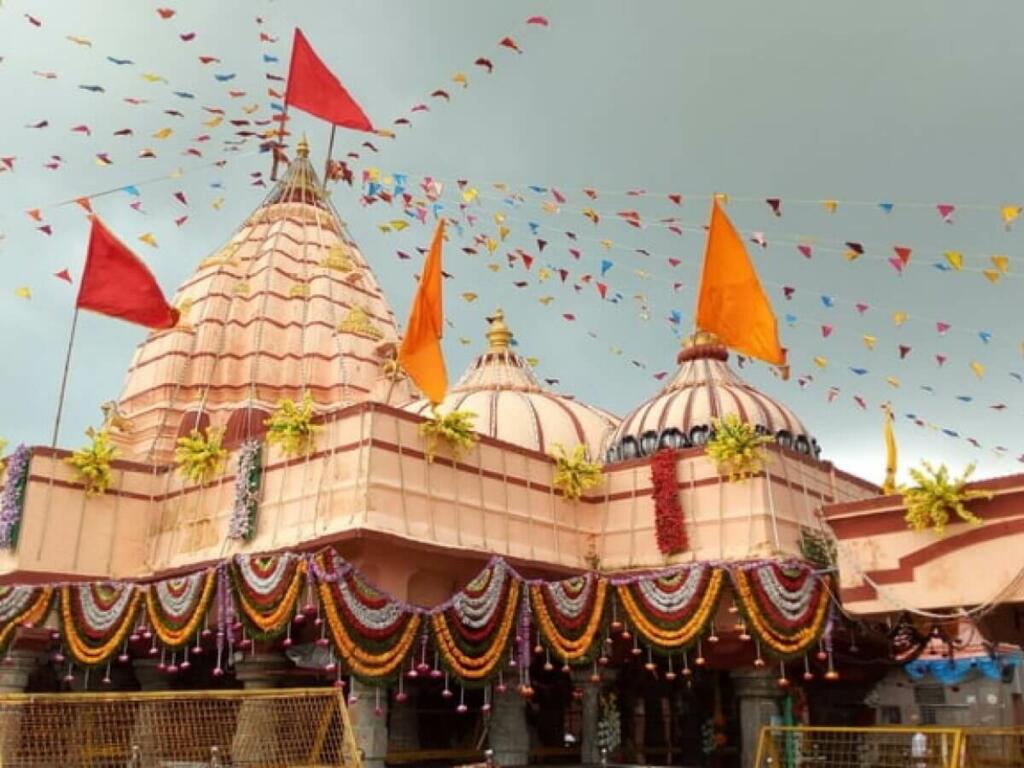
732, 304
420, 354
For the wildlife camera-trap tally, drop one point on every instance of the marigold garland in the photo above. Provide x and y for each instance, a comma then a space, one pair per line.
475, 663
669, 528
570, 634
671, 630
177, 606
373, 653
267, 589
21, 605
785, 636
92, 639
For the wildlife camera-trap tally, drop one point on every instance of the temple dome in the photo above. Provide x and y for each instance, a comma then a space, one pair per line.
511, 405
286, 306
704, 388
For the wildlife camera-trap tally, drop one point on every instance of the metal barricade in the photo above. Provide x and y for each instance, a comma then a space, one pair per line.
177, 729
879, 747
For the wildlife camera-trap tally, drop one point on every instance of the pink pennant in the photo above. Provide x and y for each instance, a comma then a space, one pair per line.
826, 331
942, 327
575, 253
674, 262
896, 264
64, 275
559, 197
804, 249
946, 212
602, 289
940, 359
861, 307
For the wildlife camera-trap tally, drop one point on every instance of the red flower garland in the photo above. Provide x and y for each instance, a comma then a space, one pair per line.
669, 528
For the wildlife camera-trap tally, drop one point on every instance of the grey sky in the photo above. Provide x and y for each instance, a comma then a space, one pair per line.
869, 101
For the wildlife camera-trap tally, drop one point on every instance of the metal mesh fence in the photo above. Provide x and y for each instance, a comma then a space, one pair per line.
804, 747
180, 729
994, 748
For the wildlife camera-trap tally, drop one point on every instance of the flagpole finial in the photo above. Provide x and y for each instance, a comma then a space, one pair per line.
499, 337
303, 148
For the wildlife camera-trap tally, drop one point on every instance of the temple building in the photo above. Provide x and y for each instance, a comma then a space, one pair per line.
631, 600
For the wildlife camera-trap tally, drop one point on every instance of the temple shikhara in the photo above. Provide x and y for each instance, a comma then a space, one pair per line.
510, 569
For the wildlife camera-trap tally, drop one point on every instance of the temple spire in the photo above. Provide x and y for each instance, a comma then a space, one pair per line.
499, 337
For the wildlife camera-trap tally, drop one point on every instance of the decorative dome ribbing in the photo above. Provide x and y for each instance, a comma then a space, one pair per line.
511, 405
287, 306
703, 389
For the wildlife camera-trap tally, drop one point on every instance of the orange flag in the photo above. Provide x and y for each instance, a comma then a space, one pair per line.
732, 304
420, 354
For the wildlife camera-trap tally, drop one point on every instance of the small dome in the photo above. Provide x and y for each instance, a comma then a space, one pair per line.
704, 388
511, 405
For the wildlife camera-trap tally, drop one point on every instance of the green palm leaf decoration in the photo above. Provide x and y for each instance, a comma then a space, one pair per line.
937, 495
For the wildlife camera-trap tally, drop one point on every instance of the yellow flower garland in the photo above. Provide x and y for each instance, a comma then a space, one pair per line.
35, 613
802, 639
475, 668
685, 634
565, 648
274, 621
82, 653
172, 637
359, 661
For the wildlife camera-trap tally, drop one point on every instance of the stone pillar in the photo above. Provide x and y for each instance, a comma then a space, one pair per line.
590, 752
14, 675
508, 735
403, 723
759, 698
369, 725
256, 730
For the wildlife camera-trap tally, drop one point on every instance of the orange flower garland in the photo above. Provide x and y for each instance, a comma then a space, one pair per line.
564, 646
164, 627
672, 638
32, 610
362, 663
785, 644
481, 667
270, 615
88, 645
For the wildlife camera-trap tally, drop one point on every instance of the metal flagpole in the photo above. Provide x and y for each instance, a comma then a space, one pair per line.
64, 380
327, 162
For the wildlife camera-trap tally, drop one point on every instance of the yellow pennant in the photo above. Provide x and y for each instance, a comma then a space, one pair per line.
23, 292
955, 259
460, 78
163, 133
503, 232
148, 239
606, 244
543, 274
821, 362
892, 381
545, 300
214, 121
1009, 213
992, 275
398, 224
464, 341
899, 318
869, 341
494, 267
549, 207
830, 205
722, 198
216, 204
149, 77
469, 297
1002, 263
978, 368
469, 195
533, 361
499, 218
491, 244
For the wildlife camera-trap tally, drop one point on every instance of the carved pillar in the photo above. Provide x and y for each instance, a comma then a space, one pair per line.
509, 737
369, 724
403, 723
255, 739
590, 752
759, 698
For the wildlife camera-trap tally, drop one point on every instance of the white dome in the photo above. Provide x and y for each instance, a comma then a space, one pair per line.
704, 388
511, 405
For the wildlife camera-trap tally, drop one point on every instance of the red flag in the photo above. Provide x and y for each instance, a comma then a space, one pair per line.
314, 89
115, 282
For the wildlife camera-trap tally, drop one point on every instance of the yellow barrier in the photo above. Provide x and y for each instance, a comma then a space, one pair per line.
890, 747
178, 729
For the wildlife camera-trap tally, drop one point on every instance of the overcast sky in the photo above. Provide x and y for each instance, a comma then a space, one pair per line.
914, 103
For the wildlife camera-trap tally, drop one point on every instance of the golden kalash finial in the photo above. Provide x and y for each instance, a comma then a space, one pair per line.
303, 148
700, 339
498, 335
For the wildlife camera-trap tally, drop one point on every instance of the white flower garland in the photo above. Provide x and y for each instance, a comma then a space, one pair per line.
264, 585
13, 601
571, 607
373, 618
671, 602
98, 618
792, 604
179, 605
476, 612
